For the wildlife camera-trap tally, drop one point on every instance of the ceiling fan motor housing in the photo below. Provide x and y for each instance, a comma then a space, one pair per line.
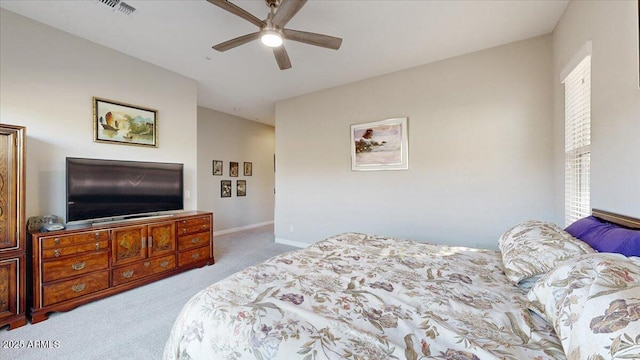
272, 3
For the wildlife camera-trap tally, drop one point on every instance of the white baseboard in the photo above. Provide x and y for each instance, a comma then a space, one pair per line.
297, 244
247, 227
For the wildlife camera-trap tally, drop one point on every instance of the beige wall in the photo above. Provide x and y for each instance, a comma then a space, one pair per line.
229, 138
47, 81
612, 27
480, 151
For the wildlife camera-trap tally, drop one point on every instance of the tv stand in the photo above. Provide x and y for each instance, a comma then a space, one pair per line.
78, 265
130, 218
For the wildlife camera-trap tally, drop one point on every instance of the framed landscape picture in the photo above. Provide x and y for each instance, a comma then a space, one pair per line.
248, 169
120, 123
225, 188
217, 167
241, 188
380, 145
233, 169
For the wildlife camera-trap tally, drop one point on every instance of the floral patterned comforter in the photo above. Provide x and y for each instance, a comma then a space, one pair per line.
357, 296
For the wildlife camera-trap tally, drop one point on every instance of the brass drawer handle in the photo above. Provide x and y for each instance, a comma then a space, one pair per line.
97, 246
78, 287
127, 274
56, 241
97, 235
147, 264
184, 231
79, 265
56, 252
195, 240
164, 264
195, 255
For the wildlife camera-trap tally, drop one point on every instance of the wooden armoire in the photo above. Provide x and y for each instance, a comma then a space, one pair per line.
12, 226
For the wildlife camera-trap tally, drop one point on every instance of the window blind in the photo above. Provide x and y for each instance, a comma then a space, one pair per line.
577, 111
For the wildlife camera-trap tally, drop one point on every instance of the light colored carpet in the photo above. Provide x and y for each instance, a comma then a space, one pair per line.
136, 324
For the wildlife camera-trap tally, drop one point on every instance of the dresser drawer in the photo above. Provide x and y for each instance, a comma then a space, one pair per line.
70, 289
72, 250
194, 225
66, 240
133, 272
194, 240
73, 266
191, 256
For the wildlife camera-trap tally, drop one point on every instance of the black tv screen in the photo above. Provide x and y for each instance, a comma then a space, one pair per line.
113, 189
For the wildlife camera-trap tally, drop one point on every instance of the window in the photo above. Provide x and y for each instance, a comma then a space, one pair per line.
577, 140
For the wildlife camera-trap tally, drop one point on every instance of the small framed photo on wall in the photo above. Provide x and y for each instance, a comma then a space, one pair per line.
241, 188
225, 188
217, 167
248, 169
233, 169
380, 145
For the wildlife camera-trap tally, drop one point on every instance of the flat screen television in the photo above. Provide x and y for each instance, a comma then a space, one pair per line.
103, 190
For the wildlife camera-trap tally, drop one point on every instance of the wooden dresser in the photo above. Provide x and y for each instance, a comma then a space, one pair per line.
78, 265
12, 226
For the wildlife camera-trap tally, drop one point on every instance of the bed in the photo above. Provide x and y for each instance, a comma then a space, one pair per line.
361, 296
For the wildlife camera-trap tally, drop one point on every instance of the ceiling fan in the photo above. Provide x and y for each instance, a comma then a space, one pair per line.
272, 30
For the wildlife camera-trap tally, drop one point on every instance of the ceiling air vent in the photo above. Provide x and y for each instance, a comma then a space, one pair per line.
110, 3
118, 5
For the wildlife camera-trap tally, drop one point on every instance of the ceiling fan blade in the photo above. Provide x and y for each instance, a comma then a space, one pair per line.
282, 57
325, 41
287, 10
230, 44
226, 5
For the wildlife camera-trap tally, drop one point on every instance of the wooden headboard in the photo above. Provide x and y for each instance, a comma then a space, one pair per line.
622, 220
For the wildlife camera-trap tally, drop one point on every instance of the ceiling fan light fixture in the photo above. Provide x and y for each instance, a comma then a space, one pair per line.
271, 38
273, 29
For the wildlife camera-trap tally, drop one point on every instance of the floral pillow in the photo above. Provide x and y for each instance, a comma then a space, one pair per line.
594, 306
533, 248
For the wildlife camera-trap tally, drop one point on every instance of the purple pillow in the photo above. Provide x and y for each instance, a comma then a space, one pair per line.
606, 237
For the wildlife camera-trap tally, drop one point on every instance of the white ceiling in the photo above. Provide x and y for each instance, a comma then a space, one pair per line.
379, 37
